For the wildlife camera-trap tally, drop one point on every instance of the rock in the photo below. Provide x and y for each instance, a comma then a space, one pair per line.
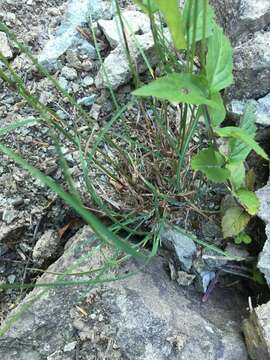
184, 279
182, 244
252, 67
87, 81
261, 108
257, 332
67, 36
95, 111
87, 100
263, 195
241, 17
46, 247
117, 66
69, 73
4, 46
145, 316
135, 22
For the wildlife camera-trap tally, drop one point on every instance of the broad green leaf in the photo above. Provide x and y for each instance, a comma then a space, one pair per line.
238, 172
178, 88
170, 9
238, 151
189, 20
219, 61
211, 163
217, 115
234, 221
243, 136
243, 237
145, 4
248, 199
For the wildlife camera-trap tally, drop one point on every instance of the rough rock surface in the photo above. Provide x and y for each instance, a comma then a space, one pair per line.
247, 24
264, 213
257, 333
4, 46
144, 316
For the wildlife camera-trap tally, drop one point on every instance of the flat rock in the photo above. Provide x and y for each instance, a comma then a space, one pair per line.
144, 316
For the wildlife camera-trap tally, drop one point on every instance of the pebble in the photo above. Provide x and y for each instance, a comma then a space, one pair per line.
87, 100
95, 111
69, 73
88, 81
4, 46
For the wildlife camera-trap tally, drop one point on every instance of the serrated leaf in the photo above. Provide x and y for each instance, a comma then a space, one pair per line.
178, 88
217, 115
211, 163
243, 237
238, 151
170, 9
249, 200
234, 221
243, 136
238, 172
188, 18
219, 61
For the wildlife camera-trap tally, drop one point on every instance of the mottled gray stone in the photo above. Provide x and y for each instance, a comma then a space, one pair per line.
142, 317
46, 247
181, 243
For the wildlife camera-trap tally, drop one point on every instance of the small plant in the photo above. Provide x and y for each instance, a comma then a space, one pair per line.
199, 86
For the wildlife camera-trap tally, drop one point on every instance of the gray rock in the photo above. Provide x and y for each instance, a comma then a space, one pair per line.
69, 73
145, 316
95, 111
117, 66
182, 244
46, 247
67, 35
252, 67
135, 22
87, 100
242, 17
264, 213
87, 81
257, 332
4, 46
261, 107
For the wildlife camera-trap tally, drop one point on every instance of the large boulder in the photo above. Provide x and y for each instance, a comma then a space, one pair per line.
144, 316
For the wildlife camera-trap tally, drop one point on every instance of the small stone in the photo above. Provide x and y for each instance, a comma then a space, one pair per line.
95, 111
71, 346
4, 46
9, 215
63, 83
11, 278
88, 81
183, 245
87, 100
93, 316
46, 247
185, 279
69, 73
